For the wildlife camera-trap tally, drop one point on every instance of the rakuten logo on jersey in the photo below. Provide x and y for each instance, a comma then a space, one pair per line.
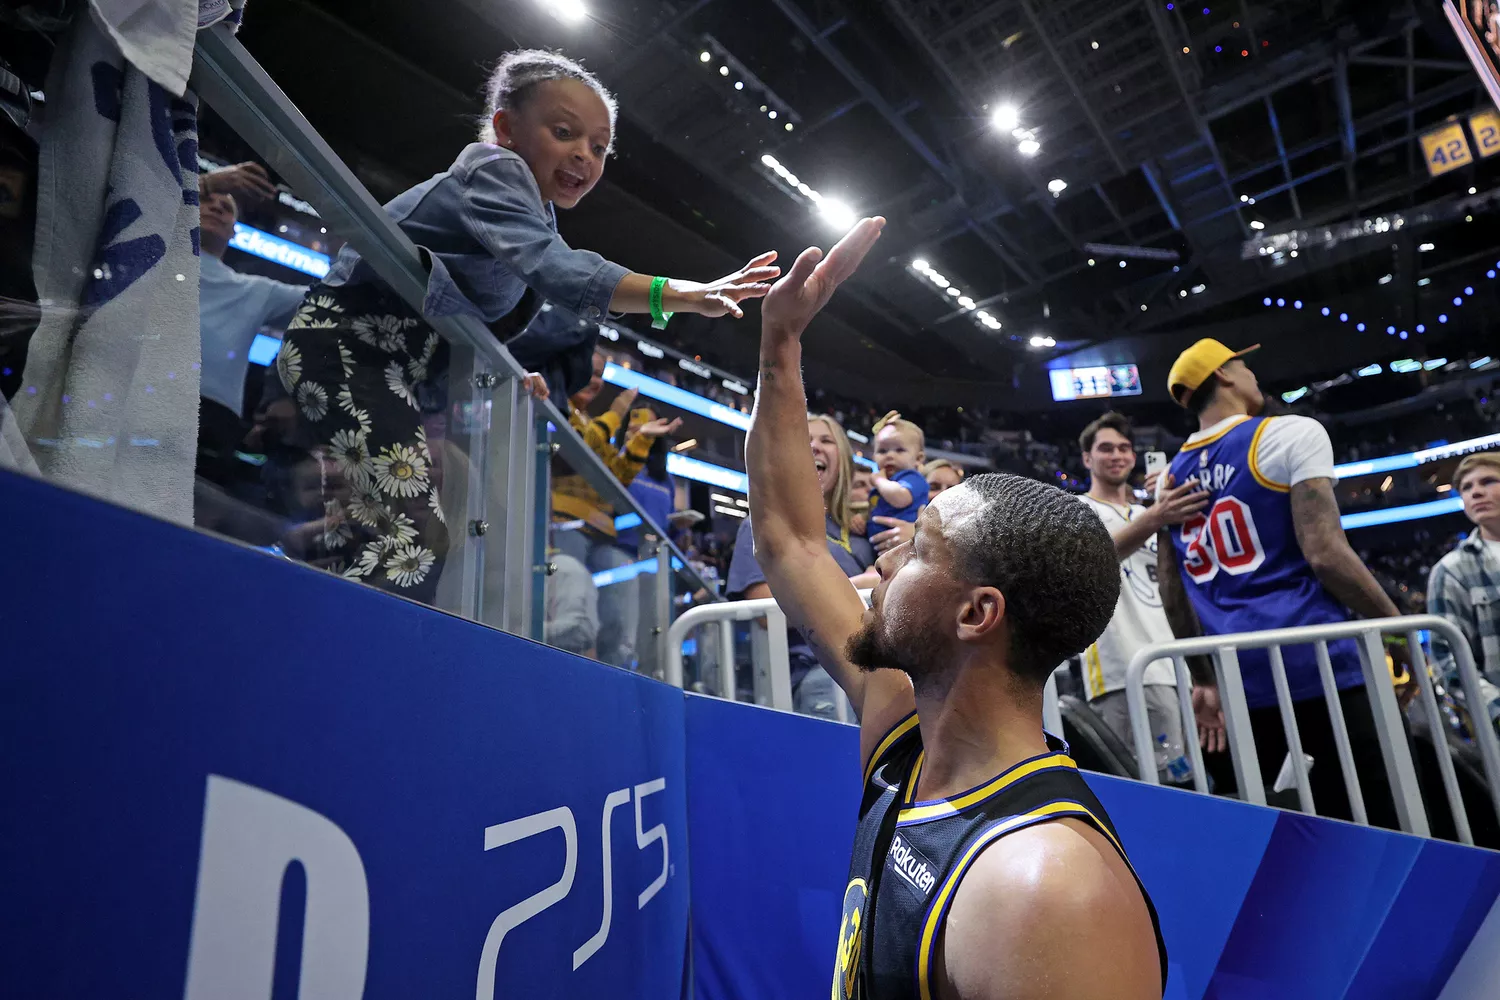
911, 866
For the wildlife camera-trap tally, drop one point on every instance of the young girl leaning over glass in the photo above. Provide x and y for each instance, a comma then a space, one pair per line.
367, 372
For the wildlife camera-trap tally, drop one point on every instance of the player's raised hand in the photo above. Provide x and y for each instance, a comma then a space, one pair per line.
807, 287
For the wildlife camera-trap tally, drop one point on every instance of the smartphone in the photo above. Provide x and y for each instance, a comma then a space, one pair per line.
1156, 461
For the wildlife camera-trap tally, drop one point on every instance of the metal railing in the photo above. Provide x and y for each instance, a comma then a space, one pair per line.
501, 572
1395, 751
772, 671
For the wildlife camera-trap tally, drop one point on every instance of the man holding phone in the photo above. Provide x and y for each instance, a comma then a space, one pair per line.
1108, 446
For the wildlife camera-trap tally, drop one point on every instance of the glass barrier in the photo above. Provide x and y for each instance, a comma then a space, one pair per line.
328, 422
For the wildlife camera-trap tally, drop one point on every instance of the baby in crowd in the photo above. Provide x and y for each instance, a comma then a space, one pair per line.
898, 488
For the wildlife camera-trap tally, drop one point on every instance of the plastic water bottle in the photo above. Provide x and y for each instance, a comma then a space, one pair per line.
1171, 760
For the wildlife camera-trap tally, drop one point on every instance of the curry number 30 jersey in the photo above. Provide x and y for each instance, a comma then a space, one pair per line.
910, 856
1242, 566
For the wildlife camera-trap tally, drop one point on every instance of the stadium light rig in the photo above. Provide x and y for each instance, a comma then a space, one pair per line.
567, 11
838, 214
951, 291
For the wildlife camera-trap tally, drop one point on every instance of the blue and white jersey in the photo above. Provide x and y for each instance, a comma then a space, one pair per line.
1240, 561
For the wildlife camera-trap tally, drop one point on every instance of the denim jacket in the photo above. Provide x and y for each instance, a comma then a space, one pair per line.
489, 237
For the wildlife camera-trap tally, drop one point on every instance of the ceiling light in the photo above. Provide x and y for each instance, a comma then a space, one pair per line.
837, 213
1385, 279
1122, 263
965, 302
571, 11
771, 115
954, 291
1143, 307
1093, 45
788, 126
1041, 341
1244, 198
1294, 253
1028, 147
1182, 293
1423, 282
1473, 190
704, 57
770, 160
1369, 370
1426, 247
1200, 289
739, 85
921, 266
938, 279
1006, 117
723, 70
1057, 186
1091, 262
1257, 224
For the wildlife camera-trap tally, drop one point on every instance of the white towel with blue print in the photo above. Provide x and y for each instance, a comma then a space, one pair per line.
109, 401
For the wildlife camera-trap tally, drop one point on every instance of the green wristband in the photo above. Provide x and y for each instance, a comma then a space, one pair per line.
658, 317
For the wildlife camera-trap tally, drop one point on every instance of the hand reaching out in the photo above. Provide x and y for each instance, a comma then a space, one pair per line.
716, 298
795, 299
658, 427
1178, 503
248, 182
898, 532
621, 405
1210, 719
535, 385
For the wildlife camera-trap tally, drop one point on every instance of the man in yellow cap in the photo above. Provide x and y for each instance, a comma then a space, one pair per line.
1269, 552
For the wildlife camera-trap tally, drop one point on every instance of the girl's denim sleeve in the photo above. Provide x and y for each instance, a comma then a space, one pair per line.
502, 209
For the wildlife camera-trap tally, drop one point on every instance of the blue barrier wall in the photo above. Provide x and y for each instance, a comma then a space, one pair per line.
223, 773
141, 659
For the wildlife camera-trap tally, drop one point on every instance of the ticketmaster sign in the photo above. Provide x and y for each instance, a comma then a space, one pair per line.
284, 252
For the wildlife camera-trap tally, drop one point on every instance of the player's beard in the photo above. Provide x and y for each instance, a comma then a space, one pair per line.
912, 645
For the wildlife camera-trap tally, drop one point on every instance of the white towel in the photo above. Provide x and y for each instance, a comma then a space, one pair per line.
157, 36
109, 398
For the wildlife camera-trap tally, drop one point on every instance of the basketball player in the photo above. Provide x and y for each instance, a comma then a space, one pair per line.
1108, 446
983, 867
1269, 552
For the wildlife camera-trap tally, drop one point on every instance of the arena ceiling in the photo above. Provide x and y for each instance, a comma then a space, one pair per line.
1177, 127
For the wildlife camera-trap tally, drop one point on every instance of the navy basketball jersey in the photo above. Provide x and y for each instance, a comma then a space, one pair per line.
910, 856
1243, 569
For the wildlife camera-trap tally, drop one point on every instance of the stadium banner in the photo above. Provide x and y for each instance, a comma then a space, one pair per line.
1254, 902
228, 776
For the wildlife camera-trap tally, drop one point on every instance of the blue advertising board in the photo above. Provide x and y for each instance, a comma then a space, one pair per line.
225, 775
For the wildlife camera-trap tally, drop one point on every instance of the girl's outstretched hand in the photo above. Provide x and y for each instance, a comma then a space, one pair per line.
723, 297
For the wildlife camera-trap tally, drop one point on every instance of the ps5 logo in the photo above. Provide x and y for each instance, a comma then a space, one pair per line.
251, 836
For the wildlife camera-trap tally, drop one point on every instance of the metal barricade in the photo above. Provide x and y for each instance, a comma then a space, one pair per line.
1395, 751
773, 684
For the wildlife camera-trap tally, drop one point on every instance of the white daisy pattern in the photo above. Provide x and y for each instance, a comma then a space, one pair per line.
395, 380
336, 529
400, 471
312, 400
346, 360
398, 530
436, 504
408, 565
289, 365
370, 558
418, 367
346, 403
353, 456
422, 443
365, 505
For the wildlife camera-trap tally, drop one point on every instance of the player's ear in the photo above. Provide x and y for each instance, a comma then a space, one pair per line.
980, 614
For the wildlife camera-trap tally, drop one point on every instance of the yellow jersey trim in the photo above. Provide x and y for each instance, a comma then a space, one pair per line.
950, 807
1216, 435
939, 908
1094, 674
899, 730
1260, 477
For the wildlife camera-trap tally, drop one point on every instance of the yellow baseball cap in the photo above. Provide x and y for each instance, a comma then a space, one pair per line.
1194, 365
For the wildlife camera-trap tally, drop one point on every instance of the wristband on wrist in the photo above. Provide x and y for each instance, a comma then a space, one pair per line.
658, 317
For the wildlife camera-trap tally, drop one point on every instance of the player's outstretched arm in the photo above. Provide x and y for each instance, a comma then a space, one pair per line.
786, 506
1047, 913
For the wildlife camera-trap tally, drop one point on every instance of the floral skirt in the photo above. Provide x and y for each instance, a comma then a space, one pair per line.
359, 365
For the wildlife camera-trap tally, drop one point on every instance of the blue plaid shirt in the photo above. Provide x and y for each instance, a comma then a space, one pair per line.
1464, 588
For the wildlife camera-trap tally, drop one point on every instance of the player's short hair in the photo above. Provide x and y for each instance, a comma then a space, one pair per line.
1117, 422
1483, 459
1200, 397
515, 78
1051, 557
